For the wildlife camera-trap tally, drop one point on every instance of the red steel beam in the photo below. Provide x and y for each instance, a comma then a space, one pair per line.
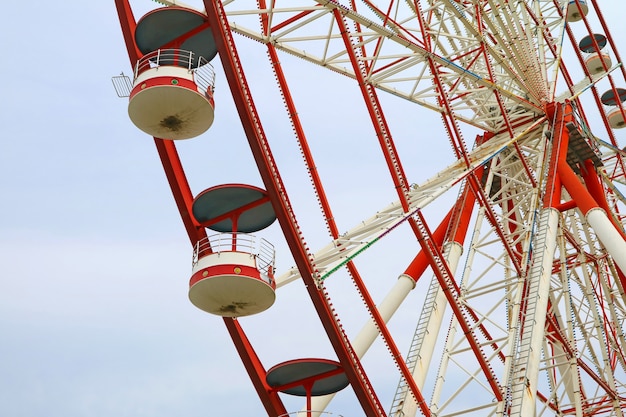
128, 25
269, 397
166, 149
376, 115
183, 197
180, 188
267, 169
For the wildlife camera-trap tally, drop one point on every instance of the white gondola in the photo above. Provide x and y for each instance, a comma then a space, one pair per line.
597, 60
613, 98
172, 95
172, 91
574, 13
616, 118
233, 271
232, 275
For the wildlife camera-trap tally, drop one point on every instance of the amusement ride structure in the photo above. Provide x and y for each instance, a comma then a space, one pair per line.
472, 265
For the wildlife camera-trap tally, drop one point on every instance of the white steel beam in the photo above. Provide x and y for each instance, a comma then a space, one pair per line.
434, 321
368, 334
608, 235
527, 354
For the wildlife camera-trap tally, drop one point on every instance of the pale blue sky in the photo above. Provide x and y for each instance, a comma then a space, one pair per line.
94, 259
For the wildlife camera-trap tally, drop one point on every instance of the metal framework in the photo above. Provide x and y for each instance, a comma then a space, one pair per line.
525, 309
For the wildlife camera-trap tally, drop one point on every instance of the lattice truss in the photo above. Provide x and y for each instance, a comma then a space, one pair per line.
582, 364
493, 66
487, 61
490, 67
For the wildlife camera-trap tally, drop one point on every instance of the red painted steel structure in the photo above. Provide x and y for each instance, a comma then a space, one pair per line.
587, 189
183, 197
273, 183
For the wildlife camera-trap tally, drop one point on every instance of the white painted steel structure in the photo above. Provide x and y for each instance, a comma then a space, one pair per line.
524, 314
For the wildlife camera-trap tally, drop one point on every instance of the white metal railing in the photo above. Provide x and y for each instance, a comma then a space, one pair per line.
201, 70
122, 84
260, 248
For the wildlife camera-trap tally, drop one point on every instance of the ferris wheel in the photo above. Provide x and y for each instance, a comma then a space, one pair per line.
465, 251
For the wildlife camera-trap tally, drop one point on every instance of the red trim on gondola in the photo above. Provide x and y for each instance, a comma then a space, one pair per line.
167, 81
228, 269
